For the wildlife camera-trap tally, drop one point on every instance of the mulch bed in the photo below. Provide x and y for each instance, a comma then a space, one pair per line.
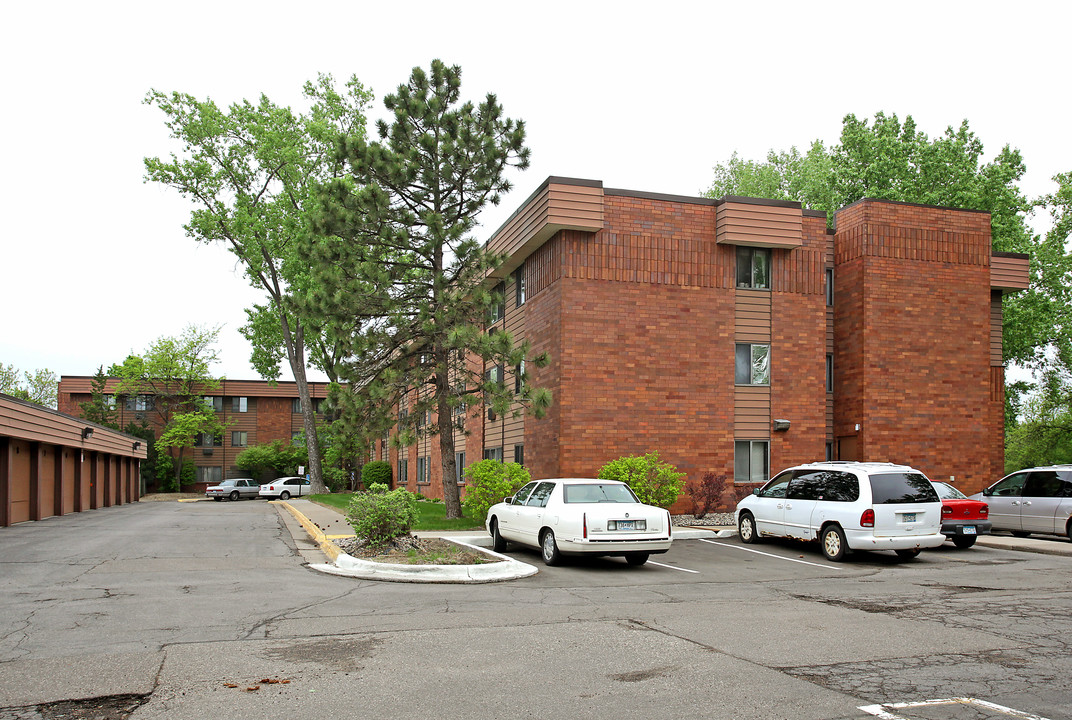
412, 550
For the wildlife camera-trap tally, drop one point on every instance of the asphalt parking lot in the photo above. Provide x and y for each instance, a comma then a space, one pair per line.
189, 607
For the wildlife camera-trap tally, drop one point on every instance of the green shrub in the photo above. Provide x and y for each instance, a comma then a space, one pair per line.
378, 488
377, 471
488, 482
379, 517
654, 482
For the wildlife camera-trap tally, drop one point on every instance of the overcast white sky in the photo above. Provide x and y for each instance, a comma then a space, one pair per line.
643, 96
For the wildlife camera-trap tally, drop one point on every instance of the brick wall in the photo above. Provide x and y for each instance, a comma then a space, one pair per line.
912, 332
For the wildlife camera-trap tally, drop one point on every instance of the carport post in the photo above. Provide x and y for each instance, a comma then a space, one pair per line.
5, 482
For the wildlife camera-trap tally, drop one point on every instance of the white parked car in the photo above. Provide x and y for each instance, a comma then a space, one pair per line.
576, 516
285, 488
233, 490
846, 506
1035, 500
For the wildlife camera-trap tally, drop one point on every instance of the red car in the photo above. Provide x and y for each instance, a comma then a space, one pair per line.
963, 519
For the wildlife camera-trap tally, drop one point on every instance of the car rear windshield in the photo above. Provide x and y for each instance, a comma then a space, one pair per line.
598, 494
897, 488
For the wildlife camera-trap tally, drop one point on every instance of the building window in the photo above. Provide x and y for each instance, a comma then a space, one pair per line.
239, 438
459, 468
239, 405
403, 471
494, 453
140, 403
519, 285
750, 461
519, 376
297, 437
829, 372
519, 454
207, 440
498, 304
210, 475
109, 402
753, 267
752, 365
494, 375
424, 474
214, 403
829, 287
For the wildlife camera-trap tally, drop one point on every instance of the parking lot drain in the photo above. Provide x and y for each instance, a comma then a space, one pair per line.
884, 711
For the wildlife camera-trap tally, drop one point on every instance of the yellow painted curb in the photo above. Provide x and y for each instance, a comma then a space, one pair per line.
326, 546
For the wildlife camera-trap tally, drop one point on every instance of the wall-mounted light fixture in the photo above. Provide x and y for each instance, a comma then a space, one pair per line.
781, 425
87, 433
136, 446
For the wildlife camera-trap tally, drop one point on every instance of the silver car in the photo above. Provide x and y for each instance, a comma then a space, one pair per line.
234, 490
1035, 500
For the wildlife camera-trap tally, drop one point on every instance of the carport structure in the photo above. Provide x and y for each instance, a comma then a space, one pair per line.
52, 463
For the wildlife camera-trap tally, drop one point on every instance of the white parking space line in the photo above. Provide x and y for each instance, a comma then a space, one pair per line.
880, 711
776, 557
652, 562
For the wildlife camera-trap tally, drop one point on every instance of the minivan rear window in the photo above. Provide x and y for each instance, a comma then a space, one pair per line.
898, 488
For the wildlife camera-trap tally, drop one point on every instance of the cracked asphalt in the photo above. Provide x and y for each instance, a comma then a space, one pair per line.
205, 610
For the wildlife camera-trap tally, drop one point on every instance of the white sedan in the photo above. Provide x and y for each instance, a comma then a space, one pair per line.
576, 516
285, 488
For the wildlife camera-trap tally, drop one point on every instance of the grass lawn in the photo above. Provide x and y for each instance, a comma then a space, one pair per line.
430, 515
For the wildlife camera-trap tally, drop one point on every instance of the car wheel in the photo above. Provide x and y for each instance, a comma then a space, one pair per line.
964, 541
498, 544
284, 495
746, 528
636, 558
234, 495
907, 554
1068, 529
833, 542
1020, 533
549, 548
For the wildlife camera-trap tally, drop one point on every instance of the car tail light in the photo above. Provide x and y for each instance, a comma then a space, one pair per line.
867, 519
946, 510
984, 510
584, 521
669, 524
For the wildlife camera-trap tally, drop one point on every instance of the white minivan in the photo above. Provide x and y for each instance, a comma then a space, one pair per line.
846, 506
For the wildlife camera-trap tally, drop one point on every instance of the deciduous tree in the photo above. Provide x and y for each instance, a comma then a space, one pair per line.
39, 387
250, 170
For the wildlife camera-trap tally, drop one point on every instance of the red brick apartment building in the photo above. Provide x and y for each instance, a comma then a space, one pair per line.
254, 411
742, 336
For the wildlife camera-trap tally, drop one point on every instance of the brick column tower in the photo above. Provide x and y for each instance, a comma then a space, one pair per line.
912, 333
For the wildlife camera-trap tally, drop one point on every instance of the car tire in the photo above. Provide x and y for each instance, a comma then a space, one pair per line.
636, 558
963, 541
907, 554
234, 495
1020, 533
284, 495
746, 528
498, 544
549, 549
1068, 529
832, 540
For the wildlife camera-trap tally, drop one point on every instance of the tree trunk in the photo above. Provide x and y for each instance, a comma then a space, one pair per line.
295, 343
451, 493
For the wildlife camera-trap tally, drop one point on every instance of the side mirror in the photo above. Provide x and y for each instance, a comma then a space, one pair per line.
756, 491
988, 492
508, 500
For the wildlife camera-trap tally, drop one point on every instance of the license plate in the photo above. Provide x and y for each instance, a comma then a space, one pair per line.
968, 529
626, 524
908, 517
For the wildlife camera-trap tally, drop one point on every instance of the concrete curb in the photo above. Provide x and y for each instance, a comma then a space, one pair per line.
330, 549
349, 566
506, 569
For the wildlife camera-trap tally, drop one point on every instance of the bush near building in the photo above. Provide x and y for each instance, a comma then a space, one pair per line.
487, 482
380, 517
654, 482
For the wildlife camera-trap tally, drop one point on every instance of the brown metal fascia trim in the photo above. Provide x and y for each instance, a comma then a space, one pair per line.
78, 420
1011, 255
618, 192
557, 180
912, 204
808, 212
